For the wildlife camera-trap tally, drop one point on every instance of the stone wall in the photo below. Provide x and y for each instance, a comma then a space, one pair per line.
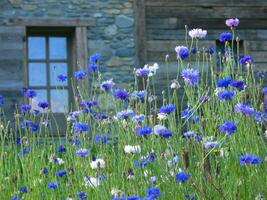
112, 36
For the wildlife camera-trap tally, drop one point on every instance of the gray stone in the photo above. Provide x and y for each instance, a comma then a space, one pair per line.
119, 62
97, 15
15, 2
101, 47
111, 30
28, 7
125, 52
124, 21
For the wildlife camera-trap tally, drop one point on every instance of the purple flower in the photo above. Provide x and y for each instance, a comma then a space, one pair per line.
107, 85
121, 94
142, 72
61, 148
82, 152
80, 127
125, 114
224, 82
61, 173
143, 130
228, 127
162, 131
190, 76
25, 107
245, 109
15, 197
226, 94
53, 185
44, 171
138, 118
193, 50
246, 59
260, 74
61, 77
23, 189
190, 196
182, 177
43, 104
30, 93
264, 90
1, 100
233, 22
225, 36
82, 195
249, 159
189, 134
238, 84
94, 58
167, 109
211, 144
92, 68
153, 192
182, 52
210, 50
80, 74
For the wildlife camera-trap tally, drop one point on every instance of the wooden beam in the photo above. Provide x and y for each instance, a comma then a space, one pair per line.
51, 22
140, 33
81, 46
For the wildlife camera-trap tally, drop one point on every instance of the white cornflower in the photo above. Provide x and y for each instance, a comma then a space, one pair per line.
97, 163
132, 149
197, 33
175, 84
152, 68
162, 116
91, 181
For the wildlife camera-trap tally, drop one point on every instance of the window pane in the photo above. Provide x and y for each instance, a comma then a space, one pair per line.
59, 100
57, 47
37, 74
41, 96
36, 47
55, 70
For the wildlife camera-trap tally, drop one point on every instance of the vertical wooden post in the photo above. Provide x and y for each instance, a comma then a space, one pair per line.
140, 33
81, 46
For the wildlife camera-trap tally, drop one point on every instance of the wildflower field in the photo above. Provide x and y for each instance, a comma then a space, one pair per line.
209, 143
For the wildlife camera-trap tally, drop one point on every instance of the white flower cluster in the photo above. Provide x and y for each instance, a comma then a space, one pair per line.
97, 163
197, 33
132, 149
152, 68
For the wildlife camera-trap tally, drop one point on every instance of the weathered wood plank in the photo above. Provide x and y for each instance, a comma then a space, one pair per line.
206, 12
52, 22
237, 3
140, 32
81, 46
257, 45
259, 56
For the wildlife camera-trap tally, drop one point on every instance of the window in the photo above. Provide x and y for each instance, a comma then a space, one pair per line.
48, 55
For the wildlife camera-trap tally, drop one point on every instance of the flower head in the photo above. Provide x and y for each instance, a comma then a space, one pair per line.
143, 130
233, 22
82, 195
226, 94
245, 109
94, 58
61, 77
182, 177
167, 109
1, 100
189, 134
142, 72
25, 107
132, 149
247, 59
125, 114
23, 189
152, 69
182, 52
107, 85
43, 104
82, 152
153, 192
238, 84
228, 127
224, 82
80, 74
162, 131
138, 118
97, 163
190, 76
53, 185
121, 94
61, 173
211, 144
249, 159
80, 127
30, 93
197, 33
225, 37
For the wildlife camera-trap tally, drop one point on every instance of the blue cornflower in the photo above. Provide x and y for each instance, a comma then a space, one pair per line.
194, 50
238, 84
30, 93
25, 107
182, 177
23, 189
153, 179
143, 130
182, 52
189, 134
15, 197
100, 138
264, 90
88, 103
258, 116
53, 185
224, 82
61, 148
140, 163
80, 74
61, 173
107, 85
245, 109
44, 171
138, 118
225, 36
211, 144
80, 127
92, 67
101, 116
246, 59
125, 114
121, 94
186, 113
24, 151
190, 76
167, 108
228, 127
34, 127
190, 196
210, 50
95, 58
1, 100
226, 94
82, 152
162, 131
82, 195
43, 104
260, 74
142, 72
62, 77
153, 192
139, 94
249, 159
133, 197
